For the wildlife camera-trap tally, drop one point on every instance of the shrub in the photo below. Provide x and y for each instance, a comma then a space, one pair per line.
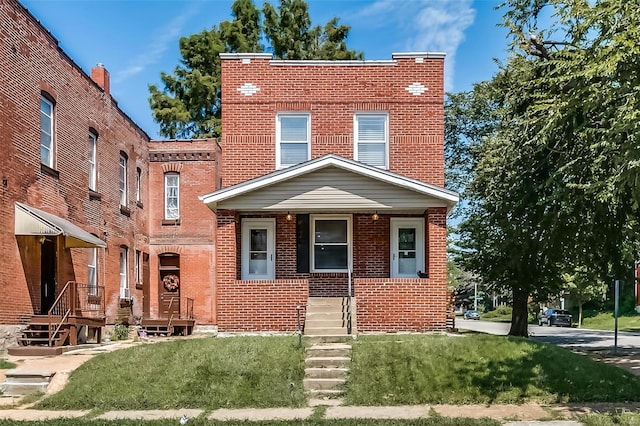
120, 332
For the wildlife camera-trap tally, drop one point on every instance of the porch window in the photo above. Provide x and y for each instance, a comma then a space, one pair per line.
372, 139
331, 243
124, 281
92, 276
292, 139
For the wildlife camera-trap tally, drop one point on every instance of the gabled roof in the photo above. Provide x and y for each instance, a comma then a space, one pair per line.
449, 198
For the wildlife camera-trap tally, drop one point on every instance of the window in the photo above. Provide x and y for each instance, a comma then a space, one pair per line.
138, 267
92, 276
46, 132
93, 169
123, 180
331, 243
171, 196
124, 281
371, 139
138, 183
293, 139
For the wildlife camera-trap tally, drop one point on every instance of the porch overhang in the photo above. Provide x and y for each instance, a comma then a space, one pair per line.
331, 184
32, 221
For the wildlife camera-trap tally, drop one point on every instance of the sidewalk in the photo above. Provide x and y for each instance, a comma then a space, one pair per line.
512, 415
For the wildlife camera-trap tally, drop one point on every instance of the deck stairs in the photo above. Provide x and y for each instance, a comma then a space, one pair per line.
25, 382
37, 333
328, 352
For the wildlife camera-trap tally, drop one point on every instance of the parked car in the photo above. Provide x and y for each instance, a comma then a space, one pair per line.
471, 314
558, 317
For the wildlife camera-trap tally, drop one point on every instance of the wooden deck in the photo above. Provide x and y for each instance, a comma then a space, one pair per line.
168, 327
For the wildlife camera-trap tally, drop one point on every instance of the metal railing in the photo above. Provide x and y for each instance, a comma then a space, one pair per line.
350, 290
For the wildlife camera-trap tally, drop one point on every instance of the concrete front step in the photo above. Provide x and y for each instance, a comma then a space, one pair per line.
326, 372
335, 322
25, 382
327, 362
329, 350
325, 331
317, 339
326, 301
315, 384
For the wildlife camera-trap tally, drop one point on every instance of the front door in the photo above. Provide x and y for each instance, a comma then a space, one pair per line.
47, 275
407, 247
258, 248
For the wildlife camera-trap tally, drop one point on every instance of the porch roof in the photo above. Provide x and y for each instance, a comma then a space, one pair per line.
32, 221
331, 183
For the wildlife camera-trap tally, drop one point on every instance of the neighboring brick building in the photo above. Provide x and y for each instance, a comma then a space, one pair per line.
332, 175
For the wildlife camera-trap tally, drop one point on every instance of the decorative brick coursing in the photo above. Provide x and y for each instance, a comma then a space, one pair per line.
407, 304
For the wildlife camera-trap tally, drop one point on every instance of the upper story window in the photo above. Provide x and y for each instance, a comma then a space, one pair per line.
46, 132
172, 196
123, 180
93, 167
372, 139
293, 139
138, 185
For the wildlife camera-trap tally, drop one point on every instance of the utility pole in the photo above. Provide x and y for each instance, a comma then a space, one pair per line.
475, 295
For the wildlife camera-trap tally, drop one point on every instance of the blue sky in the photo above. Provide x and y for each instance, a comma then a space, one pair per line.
138, 39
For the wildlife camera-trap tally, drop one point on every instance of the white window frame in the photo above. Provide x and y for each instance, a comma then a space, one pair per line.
138, 185
124, 276
123, 180
356, 143
167, 214
247, 226
137, 267
407, 222
92, 265
49, 133
279, 116
349, 219
93, 155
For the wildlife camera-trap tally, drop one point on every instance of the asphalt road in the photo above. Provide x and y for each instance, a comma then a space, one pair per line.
572, 338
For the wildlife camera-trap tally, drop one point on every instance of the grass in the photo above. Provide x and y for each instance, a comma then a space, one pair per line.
206, 373
605, 321
432, 421
500, 314
622, 419
418, 369
5, 365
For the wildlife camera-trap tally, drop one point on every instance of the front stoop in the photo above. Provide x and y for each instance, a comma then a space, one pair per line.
25, 382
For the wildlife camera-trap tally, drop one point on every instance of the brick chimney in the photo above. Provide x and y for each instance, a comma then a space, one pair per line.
100, 76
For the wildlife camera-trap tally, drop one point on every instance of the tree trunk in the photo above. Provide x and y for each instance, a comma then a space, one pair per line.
580, 314
520, 314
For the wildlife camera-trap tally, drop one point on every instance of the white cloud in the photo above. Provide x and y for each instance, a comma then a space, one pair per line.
164, 38
425, 25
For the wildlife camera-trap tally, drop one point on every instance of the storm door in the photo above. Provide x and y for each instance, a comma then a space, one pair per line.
407, 247
258, 249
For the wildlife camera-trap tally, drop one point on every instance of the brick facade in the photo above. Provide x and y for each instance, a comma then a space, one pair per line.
31, 66
255, 90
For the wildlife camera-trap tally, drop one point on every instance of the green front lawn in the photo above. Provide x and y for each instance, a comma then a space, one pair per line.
416, 369
206, 373
605, 321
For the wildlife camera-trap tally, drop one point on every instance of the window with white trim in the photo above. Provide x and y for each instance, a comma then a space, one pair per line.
137, 267
124, 280
293, 139
93, 169
92, 275
46, 132
331, 243
372, 139
123, 180
171, 196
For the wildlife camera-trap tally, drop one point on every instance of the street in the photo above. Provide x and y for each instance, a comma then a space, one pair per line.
571, 338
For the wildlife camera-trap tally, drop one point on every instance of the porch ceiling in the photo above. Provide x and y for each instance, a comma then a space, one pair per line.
334, 184
32, 221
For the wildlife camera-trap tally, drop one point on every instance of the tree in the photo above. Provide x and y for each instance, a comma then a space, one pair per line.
554, 186
583, 287
189, 104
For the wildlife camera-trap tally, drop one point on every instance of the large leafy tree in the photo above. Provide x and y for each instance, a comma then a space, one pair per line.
189, 104
555, 185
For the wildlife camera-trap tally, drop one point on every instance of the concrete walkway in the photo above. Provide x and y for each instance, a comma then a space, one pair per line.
512, 415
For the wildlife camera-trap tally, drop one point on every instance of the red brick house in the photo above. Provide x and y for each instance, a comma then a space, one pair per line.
332, 186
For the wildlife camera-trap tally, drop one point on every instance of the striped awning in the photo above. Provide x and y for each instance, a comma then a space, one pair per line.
32, 221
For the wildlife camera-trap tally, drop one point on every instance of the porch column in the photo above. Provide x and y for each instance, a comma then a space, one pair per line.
437, 247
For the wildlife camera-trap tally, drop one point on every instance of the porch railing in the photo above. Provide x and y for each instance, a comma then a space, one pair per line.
350, 289
75, 299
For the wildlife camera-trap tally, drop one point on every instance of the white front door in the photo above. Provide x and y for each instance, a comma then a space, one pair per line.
407, 247
258, 249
